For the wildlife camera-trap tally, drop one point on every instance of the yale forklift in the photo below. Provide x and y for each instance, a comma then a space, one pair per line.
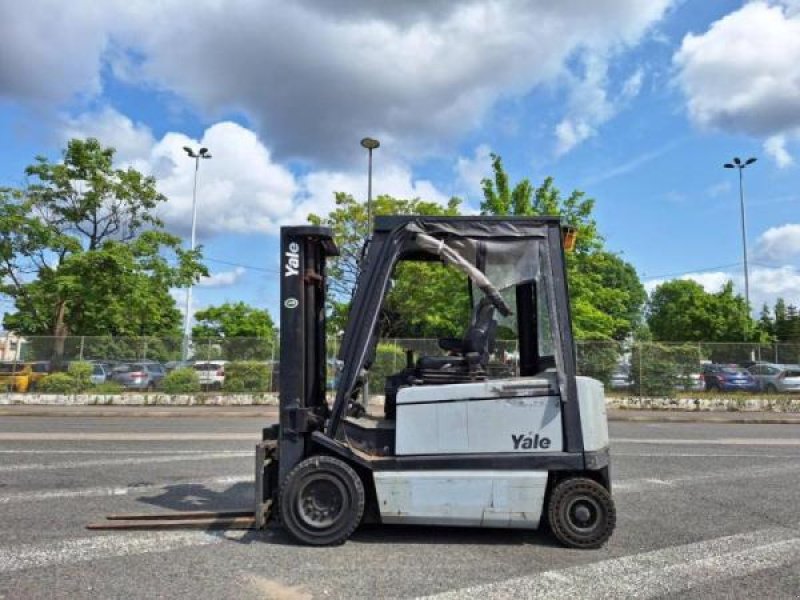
455, 445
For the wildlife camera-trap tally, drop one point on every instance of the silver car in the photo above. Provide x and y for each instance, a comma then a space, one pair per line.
772, 377
139, 376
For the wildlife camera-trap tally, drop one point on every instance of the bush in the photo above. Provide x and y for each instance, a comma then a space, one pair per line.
660, 370
598, 359
389, 359
247, 376
81, 373
107, 387
181, 381
57, 383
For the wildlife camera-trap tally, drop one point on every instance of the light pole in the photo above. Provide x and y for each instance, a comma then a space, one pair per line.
370, 144
738, 164
202, 153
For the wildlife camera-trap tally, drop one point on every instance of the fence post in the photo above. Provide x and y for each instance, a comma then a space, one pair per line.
641, 359
80, 357
271, 365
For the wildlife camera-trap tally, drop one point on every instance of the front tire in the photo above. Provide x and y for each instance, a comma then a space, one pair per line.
581, 513
321, 501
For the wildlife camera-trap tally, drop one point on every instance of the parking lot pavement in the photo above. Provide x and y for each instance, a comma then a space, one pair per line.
705, 511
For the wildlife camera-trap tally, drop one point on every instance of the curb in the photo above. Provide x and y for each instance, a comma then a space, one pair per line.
709, 420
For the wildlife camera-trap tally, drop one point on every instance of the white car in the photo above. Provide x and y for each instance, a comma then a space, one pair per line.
211, 373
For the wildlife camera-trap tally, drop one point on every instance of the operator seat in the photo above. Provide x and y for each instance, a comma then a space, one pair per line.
470, 354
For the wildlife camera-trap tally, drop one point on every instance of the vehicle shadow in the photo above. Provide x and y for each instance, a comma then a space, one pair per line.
239, 496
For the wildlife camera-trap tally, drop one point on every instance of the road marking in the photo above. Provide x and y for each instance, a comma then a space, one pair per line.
61, 552
702, 455
750, 472
120, 461
671, 570
103, 451
115, 491
711, 442
90, 436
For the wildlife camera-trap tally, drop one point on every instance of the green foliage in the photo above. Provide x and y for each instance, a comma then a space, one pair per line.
239, 332
180, 381
81, 373
247, 376
598, 359
606, 294
102, 262
76, 380
427, 300
682, 311
662, 370
389, 359
57, 383
107, 387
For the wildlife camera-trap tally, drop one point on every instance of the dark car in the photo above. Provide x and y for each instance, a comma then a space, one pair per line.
728, 378
139, 376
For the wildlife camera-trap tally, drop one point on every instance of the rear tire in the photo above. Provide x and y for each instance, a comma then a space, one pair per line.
321, 501
581, 513
771, 388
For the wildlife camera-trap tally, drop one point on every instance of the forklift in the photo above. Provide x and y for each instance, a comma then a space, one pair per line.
455, 446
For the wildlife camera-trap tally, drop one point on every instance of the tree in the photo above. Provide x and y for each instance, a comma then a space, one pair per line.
427, 299
682, 311
243, 332
606, 294
233, 320
81, 251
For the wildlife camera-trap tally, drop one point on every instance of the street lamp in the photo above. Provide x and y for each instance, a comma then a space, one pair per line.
200, 154
738, 164
370, 144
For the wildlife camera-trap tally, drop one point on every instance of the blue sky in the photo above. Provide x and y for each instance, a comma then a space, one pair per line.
636, 103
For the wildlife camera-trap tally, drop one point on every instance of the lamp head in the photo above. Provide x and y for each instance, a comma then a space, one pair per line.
370, 143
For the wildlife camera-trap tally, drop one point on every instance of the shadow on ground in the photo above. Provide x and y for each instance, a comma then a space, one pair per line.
194, 497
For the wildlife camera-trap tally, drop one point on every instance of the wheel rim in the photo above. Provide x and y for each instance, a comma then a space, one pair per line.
583, 514
321, 501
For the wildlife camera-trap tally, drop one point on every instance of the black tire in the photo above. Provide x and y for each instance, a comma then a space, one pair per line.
581, 513
771, 388
321, 501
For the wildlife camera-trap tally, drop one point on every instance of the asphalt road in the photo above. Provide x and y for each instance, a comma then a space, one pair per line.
705, 511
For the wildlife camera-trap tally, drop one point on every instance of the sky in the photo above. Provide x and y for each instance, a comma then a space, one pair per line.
638, 104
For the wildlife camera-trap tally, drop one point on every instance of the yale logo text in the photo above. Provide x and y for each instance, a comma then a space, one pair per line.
292, 260
530, 441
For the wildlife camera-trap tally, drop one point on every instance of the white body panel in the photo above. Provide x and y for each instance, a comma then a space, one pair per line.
594, 421
462, 498
479, 418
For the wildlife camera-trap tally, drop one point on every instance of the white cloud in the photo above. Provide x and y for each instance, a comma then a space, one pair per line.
767, 283
241, 189
775, 146
589, 103
779, 243
223, 278
471, 170
743, 74
315, 76
131, 140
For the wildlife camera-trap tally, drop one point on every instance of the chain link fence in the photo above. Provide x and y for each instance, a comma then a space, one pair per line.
251, 365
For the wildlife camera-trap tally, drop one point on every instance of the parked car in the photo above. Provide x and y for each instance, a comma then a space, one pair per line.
772, 377
620, 379
22, 377
728, 378
100, 373
211, 374
693, 382
177, 364
139, 376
